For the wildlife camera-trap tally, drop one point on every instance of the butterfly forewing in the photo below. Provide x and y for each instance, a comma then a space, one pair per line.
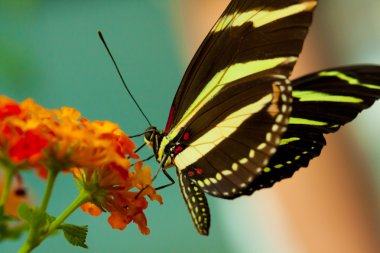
249, 39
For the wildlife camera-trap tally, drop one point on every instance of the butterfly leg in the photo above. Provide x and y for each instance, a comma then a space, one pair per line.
144, 160
155, 176
166, 185
138, 149
160, 187
148, 158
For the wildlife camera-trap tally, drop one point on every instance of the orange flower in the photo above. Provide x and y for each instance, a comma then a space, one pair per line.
96, 152
32, 136
22, 140
82, 143
110, 189
8, 107
91, 208
28, 146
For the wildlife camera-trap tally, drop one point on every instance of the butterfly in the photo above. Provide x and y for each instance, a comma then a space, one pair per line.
237, 123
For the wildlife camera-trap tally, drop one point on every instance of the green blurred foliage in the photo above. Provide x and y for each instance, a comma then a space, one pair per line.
17, 66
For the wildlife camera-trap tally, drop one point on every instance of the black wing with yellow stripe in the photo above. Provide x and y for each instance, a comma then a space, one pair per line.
237, 123
250, 40
322, 103
234, 102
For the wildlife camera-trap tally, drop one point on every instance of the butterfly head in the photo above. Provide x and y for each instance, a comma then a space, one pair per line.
154, 139
150, 136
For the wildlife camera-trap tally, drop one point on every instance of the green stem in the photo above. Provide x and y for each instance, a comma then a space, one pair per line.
26, 248
34, 238
52, 175
82, 198
8, 174
36, 229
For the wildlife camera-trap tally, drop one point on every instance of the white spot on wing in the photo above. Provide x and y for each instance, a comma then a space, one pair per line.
226, 172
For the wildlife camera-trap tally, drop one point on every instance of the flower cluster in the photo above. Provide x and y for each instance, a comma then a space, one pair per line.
98, 154
22, 137
113, 193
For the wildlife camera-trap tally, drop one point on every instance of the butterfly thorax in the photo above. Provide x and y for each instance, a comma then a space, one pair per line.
159, 142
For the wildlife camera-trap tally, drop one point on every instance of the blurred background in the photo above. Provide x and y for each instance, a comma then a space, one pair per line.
49, 51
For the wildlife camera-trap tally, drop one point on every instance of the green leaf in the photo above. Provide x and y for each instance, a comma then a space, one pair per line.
50, 218
12, 232
75, 235
10, 227
38, 220
25, 212
6, 218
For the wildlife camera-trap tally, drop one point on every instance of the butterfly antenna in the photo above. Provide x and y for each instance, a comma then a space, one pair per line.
121, 77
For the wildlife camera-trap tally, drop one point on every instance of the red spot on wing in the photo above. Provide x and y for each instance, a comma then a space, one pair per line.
186, 136
198, 171
178, 149
170, 119
190, 173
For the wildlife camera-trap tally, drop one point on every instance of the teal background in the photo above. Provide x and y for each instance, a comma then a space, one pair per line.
49, 51
53, 55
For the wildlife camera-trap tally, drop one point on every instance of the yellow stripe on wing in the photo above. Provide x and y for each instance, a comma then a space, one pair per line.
301, 121
350, 80
225, 77
204, 144
289, 140
261, 17
308, 96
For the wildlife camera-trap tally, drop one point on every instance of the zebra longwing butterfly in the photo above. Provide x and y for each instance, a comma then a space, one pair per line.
237, 123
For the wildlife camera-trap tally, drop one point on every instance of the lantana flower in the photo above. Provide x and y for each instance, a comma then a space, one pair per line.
110, 189
98, 154
23, 136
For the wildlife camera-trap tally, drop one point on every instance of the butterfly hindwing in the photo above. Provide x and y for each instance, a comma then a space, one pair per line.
330, 98
323, 102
